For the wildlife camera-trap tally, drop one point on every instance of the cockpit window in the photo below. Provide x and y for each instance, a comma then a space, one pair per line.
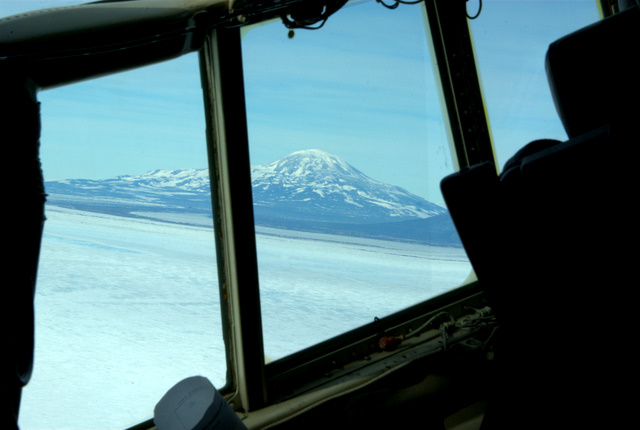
511, 40
127, 299
348, 146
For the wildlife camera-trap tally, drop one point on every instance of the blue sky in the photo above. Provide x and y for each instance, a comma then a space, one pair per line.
12, 7
511, 40
361, 88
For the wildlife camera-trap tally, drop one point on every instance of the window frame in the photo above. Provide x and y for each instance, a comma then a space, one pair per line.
252, 384
452, 48
230, 175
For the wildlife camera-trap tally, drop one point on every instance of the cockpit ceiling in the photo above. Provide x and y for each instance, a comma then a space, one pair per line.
62, 45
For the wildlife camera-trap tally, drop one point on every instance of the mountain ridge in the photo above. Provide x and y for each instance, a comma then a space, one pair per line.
308, 190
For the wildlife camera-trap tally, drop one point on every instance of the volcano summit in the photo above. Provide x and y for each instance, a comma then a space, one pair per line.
313, 185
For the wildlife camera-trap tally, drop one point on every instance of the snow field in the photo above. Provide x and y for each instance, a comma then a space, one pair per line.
125, 307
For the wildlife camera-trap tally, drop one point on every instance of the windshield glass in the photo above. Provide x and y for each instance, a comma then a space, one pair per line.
348, 146
127, 300
511, 40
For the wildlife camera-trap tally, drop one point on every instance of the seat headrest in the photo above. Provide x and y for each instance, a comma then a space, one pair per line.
593, 73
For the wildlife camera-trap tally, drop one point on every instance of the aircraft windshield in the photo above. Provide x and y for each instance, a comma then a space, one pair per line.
348, 145
516, 90
127, 299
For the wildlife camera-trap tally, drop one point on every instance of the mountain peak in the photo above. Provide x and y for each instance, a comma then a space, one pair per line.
316, 185
314, 153
310, 163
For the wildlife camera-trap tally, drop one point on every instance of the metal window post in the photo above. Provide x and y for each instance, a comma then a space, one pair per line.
230, 173
453, 51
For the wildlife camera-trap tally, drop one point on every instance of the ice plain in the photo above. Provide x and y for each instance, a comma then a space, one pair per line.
126, 307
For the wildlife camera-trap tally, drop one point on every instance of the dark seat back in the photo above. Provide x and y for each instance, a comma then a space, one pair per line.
549, 240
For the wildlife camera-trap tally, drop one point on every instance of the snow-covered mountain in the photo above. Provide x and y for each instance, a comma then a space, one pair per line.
162, 191
308, 190
314, 185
